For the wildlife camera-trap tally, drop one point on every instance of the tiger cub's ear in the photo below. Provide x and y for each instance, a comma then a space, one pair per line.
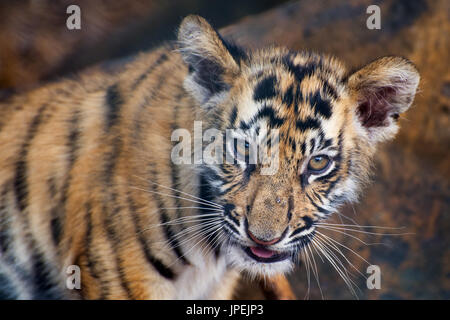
383, 90
212, 62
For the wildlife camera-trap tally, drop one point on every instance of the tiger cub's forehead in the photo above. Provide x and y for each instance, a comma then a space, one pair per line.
301, 94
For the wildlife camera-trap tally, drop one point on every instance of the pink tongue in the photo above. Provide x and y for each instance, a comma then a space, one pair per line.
261, 252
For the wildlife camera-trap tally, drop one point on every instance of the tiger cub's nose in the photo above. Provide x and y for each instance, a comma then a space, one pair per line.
262, 242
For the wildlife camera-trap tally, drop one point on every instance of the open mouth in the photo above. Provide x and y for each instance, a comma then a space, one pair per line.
265, 255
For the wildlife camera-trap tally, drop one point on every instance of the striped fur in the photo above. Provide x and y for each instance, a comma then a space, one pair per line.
86, 176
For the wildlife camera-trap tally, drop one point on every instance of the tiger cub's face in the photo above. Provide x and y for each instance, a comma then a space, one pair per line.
322, 123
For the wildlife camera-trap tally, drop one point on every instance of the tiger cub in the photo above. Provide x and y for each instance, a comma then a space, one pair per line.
91, 177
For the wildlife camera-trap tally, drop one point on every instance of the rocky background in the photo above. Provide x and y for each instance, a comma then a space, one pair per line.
410, 189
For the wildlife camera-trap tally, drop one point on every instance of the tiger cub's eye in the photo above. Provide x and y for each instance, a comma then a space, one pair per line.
242, 147
319, 163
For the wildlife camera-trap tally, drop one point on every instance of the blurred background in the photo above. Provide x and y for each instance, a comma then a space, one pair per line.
410, 189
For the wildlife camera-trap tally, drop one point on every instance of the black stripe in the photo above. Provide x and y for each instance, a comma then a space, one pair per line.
321, 137
233, 186
304, 180
318, 208
91, 257
233, 116
111, 209
299, 71
20, 183
161, 59
265, 112
294, 145
290, 207
56, 226
307, 70
265, 89
308, 123
321, 106
58, 214
114, 239
163, 270
327, 143
51, 184
228, 208
165, 218
303, 147
5, 223
317, 194
248, 172
328, 89
44, 284
312, 145
146, 102
244, 126
288, 96
230, 226
73, 137
302, 71
208, 193
114, 102
308, 223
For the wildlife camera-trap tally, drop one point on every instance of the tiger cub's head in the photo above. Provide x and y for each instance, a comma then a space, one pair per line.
322, 123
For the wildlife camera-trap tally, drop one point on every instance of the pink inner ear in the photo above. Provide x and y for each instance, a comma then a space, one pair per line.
376, 107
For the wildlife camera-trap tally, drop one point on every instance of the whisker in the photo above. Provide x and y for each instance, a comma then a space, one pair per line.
184, 220
344, 246
215, 243
363, 232
332, 245
200, 208
337, 265
214, 228
178, 222
358, 226
314, 268
308, 275
354, 237
332, 255
199, 230
179, 191
177, 197
194, 228
347, 217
